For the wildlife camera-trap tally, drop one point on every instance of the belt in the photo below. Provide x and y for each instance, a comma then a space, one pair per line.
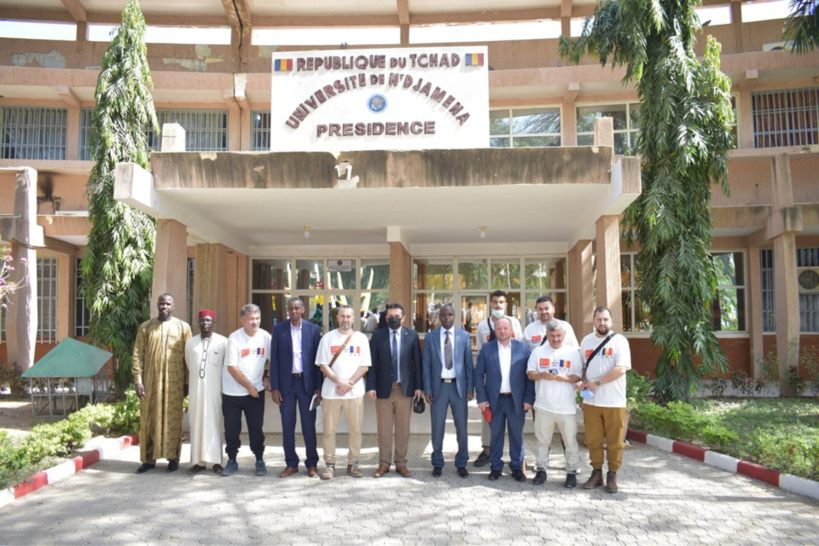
506, 394
394, 385
298, 374
447, 381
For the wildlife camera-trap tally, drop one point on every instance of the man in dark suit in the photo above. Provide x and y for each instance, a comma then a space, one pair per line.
448, 383
393, 381
294, 380
502, 384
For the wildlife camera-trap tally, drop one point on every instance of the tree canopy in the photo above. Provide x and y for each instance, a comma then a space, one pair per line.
801, 32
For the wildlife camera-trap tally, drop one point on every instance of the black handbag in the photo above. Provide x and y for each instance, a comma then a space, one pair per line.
418, 405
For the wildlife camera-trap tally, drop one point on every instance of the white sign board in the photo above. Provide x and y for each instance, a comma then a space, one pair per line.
343, 266
384, 99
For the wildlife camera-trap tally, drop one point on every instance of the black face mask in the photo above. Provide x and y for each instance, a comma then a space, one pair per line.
394, 323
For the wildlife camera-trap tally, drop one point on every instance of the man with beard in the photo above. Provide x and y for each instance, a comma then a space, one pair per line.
535, 332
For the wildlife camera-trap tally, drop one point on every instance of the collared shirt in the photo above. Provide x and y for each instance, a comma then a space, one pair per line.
447, 374
295, 336
505, 357
396, 340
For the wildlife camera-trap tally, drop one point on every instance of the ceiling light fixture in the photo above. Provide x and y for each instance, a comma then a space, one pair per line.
306, 232
483, 231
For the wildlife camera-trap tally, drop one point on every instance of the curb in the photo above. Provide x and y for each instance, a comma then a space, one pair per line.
67, 468
792, 484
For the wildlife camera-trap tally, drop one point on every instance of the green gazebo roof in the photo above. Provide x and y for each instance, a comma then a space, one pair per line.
70, 358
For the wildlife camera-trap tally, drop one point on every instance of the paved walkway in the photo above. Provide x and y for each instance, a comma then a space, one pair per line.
664, 499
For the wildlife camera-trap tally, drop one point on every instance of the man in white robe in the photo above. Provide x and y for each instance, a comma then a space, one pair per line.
205, 355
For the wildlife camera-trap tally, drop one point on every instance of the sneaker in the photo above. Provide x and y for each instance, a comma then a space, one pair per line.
482, 460
261, 469
231, 468
329, 473
352, 470
595, 480
611, 482
571, 481
540, 478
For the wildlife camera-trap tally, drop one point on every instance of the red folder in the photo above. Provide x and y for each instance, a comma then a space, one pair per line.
487, 414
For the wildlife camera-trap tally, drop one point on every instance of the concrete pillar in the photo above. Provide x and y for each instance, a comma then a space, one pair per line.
581, 288
736, 24
754, 311
745, 119
209, 283
72, 136
24, 234
609, 284
401, 277
171, 265
568, 121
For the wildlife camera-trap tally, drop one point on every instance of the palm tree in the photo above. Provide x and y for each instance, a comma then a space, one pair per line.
801, 32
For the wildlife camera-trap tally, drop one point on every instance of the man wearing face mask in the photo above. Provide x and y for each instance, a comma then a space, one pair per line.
485, 334
393, 381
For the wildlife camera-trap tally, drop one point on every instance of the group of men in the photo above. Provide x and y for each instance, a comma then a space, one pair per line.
538, 369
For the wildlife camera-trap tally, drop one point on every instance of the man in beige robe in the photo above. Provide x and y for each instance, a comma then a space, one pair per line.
160, 376
205, 355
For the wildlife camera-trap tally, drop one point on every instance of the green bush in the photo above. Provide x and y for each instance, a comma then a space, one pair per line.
637, 389
718, 437
14, 462
126, 413
786, 452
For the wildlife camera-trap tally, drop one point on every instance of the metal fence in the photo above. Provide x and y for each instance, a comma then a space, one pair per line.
786, 117
32, 133
205, 130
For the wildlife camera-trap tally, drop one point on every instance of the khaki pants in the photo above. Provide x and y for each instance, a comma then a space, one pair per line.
605, 424
393, 411
331, 412
545, 428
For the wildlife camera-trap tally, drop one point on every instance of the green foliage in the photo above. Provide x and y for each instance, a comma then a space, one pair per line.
782, 434
685, 134
637, 389
118, 262
796, 381
14, 462
801, 32
718, 386
809, 360
126, 413
10, 375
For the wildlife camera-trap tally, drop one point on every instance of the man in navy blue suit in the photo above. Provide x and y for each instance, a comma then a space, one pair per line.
294, 380
393, 381
448, 383
502, 384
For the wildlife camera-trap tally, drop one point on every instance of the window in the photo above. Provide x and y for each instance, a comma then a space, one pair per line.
47, 298
86, 114
635, 312
32, 133
807, 264
626, 124
260, 131
82, 314
767, 270
785, 117
524, 128
205, 130
728, 308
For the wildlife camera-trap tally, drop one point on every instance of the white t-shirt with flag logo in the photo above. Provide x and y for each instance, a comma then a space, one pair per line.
535, 333
555, 396
355, 355
615, 353
483, 331
249, 354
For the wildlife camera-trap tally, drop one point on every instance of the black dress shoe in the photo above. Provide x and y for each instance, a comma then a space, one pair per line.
540, 478
173, 466
217, 468
145, 468
436, 471
519, 475
482, 460
494, 475
463, 472
571, 481
196, 469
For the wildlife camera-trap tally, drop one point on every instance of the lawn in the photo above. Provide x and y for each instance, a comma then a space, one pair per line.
782, 434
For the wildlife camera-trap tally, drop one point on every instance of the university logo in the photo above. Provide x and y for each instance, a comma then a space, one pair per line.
377, 103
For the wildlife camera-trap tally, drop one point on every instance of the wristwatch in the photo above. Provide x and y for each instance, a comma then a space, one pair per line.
597, 382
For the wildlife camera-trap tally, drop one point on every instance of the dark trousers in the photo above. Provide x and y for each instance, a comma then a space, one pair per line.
502, 416
232, 408
448, 398
298, 397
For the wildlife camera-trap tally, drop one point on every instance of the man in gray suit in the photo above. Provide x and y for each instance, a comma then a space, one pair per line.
448, 383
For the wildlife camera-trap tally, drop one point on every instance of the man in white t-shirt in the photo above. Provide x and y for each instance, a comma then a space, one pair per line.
485, 333
243, 388
535, 332
555, 368
607, 358
344, 357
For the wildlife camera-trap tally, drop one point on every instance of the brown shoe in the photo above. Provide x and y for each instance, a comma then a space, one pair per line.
404, 471
382, 469
595, 480
611, 482
289, 471
352, 470
312, 472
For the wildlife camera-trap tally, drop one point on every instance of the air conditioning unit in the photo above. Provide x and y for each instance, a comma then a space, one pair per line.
808, 278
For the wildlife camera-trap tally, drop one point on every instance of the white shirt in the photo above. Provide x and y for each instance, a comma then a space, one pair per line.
615, 353
295, 337
482, 332
447, 374
535, 333
249, 354
356, 354
555, 396
395, 339
505, 357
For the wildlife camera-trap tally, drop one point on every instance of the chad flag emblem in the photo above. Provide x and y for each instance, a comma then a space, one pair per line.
474, 59
283, 65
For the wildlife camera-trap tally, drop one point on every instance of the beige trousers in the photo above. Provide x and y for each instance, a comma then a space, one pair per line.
331, 413
395, 411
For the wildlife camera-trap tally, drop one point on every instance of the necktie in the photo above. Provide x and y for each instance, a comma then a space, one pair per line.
395, 355
448, 352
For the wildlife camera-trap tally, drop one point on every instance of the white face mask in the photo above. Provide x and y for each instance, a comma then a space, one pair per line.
498, 313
